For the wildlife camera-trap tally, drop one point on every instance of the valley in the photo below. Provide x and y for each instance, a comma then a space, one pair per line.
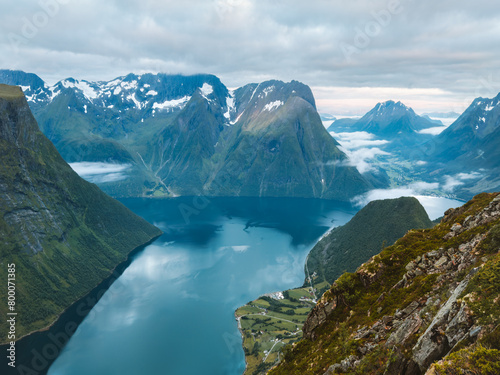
253, 158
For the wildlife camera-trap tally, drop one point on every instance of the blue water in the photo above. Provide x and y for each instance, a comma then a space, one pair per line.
172, 310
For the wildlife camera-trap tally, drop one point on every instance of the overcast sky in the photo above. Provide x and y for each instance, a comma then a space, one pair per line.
432, 55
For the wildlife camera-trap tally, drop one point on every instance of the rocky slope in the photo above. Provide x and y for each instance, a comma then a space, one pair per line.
181, 135
62, 233
428, 304
378, 224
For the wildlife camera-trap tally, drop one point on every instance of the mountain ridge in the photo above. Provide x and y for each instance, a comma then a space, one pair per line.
179, 134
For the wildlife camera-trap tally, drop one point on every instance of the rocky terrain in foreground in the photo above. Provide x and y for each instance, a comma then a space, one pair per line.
426, 305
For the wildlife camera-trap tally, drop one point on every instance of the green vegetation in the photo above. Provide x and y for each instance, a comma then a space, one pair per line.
377, 225
62, 233
268, 323
474, 360
368, 296
10, 92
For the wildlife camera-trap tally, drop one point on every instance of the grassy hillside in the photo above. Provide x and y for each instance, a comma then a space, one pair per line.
431, 296
378, 224
62, 233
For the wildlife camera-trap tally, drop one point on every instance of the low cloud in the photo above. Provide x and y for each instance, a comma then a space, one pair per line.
99, 172
434, 206
433, 131
451, 182
355, 140
361, 158
356, 146
411, 190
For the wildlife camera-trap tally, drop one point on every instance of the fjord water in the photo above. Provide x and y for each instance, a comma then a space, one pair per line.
172, 309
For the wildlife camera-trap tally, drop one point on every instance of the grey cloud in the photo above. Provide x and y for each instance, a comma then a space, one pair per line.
428, 44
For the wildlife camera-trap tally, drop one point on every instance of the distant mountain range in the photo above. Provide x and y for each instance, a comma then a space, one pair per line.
442, 114
180, 135
468, 148
392, 120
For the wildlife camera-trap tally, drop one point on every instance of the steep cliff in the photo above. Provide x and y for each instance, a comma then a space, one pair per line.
428, 304
62, 233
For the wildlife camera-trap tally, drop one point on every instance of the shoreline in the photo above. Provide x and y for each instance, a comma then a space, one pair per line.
30, 347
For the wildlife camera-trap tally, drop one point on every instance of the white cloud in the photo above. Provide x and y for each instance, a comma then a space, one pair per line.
451, 182
433, 131
434, 206
99, 172
360, 158
356, 145
429, 57
353, 140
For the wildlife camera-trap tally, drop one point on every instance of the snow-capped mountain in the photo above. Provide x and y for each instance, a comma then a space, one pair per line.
148, 93
390, 119
474, 137
190, 135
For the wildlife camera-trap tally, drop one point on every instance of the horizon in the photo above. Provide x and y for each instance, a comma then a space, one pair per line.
325, 104
432, 57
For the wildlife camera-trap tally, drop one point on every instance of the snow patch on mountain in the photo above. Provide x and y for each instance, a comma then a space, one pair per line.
230, 104
87, 90
129, 85
172, 103
273, 105
206, 89
137, 103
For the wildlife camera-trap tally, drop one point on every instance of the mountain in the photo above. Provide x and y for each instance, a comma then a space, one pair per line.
63, 234
469, 147
190, 135
392, 120
327, 117
470, 133
378, 224
436, 122
343, 124
432, 296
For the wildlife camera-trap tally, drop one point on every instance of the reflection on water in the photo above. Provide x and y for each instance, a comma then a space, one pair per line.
172, 310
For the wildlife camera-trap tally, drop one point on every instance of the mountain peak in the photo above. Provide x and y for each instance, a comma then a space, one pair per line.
391, 105
391, 118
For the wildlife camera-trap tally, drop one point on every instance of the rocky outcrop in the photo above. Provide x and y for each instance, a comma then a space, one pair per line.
318, 316
439, 287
